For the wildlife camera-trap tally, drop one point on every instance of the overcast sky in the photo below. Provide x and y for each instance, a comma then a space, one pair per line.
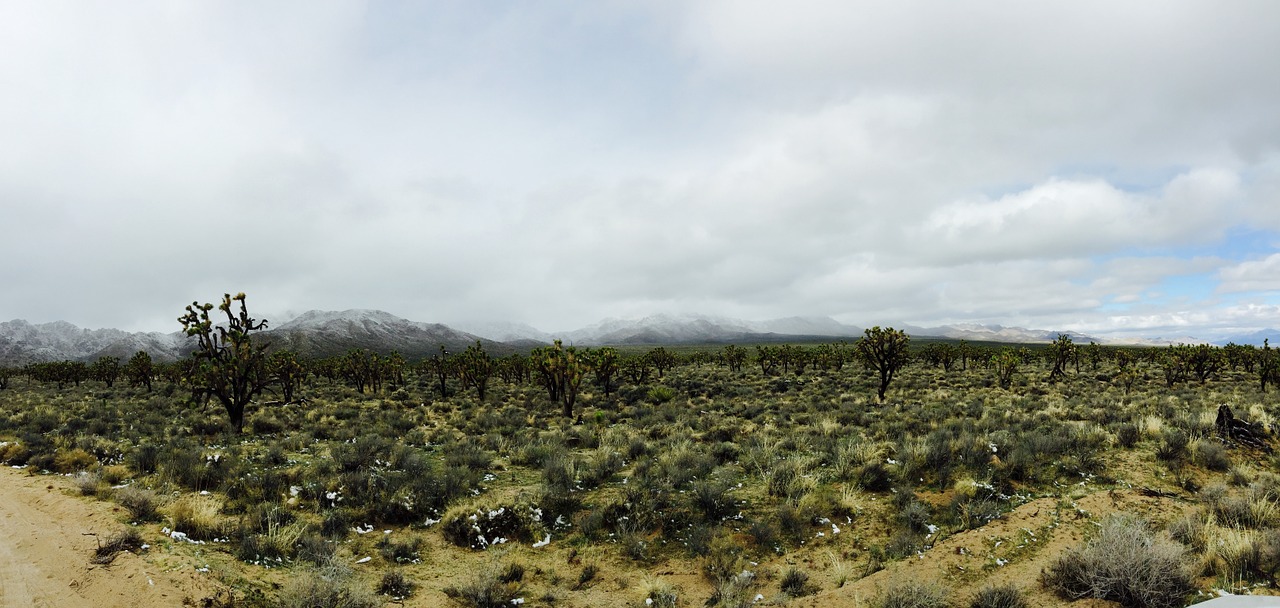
1092, 166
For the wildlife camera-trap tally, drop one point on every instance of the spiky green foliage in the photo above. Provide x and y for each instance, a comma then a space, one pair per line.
885, 350
227, 364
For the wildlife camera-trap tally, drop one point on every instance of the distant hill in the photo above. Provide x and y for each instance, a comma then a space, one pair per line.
311, 334
500, 331
23, 342
323, 333
1254, 338
701, 329
997, 333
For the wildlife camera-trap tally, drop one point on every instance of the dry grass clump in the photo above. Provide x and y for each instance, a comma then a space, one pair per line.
395, 584
659, 593
491, 588
1000, 596
913, 594
73, 460
198, 516
128, 539
795, 583
142, 504
87, 483
1124, 563
332, 586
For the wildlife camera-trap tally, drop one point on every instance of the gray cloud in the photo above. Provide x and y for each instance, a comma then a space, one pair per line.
919, 161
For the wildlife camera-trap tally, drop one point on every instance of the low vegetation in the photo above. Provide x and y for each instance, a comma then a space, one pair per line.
775, 472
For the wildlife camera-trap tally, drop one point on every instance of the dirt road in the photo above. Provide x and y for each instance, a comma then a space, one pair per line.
46, 542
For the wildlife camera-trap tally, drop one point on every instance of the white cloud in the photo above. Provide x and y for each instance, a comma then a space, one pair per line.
1090, 217
1251, 276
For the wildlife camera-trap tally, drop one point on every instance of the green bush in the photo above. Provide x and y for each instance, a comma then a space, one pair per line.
481, 529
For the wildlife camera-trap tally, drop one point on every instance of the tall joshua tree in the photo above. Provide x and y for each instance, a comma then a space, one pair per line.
886, 351
227, 364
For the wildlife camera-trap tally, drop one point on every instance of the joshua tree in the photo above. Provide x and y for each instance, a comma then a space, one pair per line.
662, 360
441, 365
1176, 362
1062, 351
105, 370
475, 367
139, 370
604, 362
1006, 365
734, 357
1268, 366
561, 369
886, 351
288, 373
226, 363
1205, 361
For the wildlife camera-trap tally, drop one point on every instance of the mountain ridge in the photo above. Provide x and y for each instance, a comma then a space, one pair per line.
317, 333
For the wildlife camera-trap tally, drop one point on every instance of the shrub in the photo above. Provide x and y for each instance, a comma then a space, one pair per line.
485, 590
735, 592
1212, 455
15, 454
396, 585
332, 587
713, 498
399, 552
87, 483
125, 540
1124, 563
724, 560
144, 459
661, 394
1173, 446
795, 583
587, 575
71, 461
913, 595
480, 529
198, 516
141, 503
659, 594
1001, 596
1128, 435
316, 549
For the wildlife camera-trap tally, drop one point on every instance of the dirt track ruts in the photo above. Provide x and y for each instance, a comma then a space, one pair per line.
47, 537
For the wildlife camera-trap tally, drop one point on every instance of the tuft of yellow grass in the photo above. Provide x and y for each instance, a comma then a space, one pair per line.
200, 517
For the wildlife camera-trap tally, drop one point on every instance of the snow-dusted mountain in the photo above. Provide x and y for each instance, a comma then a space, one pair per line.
808, 326
996, 333
23, 342
695, 328
311, 334
319, 333
501, 331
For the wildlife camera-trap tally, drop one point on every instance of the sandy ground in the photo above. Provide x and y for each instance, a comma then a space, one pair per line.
47, 538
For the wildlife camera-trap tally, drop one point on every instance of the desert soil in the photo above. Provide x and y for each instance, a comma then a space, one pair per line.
47, 538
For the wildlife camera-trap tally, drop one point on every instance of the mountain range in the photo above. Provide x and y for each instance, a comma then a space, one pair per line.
323, 333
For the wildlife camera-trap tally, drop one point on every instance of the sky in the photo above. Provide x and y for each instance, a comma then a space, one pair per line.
1102, 167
